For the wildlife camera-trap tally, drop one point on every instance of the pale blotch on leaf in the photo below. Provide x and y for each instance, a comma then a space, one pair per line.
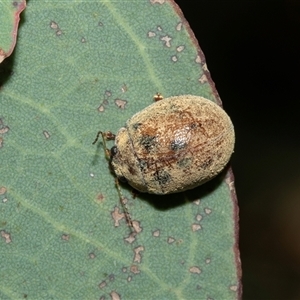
4, 129
124, 88
117, 216
3, 190
151, 34
157, 1
53, 25
134, 269
131, 238
204, 67
197, 202
207, 261
180, 48
174, 58
198, 217
156, 233
230, 183
196, 227
102, 284
129, 278
170, 240
198, 59
46, 134
120, 103
195, 270
203, 79
115, 296
233, 288
179, 26
137, 227
65, 237
6, 236
101, 108
207, 211
167, 40
92, 255
137, 252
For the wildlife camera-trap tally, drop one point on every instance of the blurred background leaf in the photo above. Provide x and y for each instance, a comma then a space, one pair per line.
9, 21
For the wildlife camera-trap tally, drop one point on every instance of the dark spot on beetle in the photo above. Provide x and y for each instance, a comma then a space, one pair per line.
122, 179
178, 144
148, 142
207, 163
143, 164
136, 126
162, 177
194, 125
183, 163
131, 170
113, 151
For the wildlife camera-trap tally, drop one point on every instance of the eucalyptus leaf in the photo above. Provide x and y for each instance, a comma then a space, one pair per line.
80, 67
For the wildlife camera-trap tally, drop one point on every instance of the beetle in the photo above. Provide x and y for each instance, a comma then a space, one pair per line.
171, 146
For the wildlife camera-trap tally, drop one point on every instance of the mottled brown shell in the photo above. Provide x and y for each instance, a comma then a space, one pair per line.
174, 145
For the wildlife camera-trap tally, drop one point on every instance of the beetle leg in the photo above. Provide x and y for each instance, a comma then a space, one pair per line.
105, 136
123, 202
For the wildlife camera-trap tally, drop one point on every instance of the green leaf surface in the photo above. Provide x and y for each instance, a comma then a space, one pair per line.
80, 67
9, 22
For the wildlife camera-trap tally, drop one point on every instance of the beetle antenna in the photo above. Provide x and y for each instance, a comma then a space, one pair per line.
123, 202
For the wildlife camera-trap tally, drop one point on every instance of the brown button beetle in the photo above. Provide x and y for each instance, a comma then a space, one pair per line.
173, 145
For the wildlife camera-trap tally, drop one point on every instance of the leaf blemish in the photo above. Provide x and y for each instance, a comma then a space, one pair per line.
115, 296
131, 238
157, 1
65, 237
170, 240
196, 227
151, 34
117, 216
120, 103
174, 58
195, 270
46, 134
179, 26
207, 211
100, 198
6, 236
134, 269
137, 255
53, 25
167, 40
156, 233
2, 190
180, 48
